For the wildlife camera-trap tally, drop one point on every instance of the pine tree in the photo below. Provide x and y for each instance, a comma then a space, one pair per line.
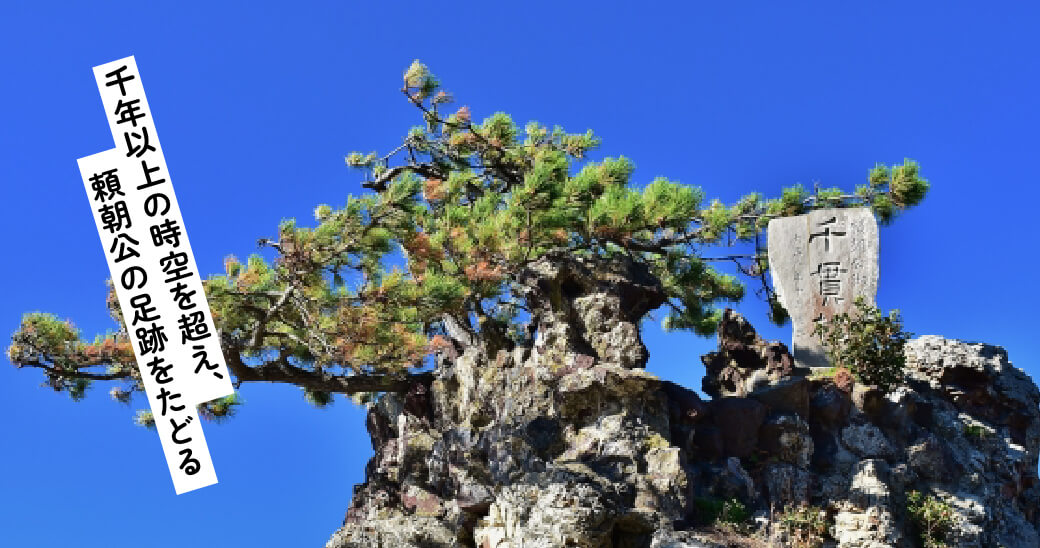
439, 255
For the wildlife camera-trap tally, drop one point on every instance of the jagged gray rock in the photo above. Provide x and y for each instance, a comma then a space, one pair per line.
569, 442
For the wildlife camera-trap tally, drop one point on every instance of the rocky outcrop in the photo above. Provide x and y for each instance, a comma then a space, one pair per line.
744, 362
567, 441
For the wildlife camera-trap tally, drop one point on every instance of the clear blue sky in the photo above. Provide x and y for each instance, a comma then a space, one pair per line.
256, 105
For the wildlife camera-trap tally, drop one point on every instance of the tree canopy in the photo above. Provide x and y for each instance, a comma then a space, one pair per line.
453, 218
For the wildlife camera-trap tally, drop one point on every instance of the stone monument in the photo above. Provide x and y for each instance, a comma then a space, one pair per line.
820, 263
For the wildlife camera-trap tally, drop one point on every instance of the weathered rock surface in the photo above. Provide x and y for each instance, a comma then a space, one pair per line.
568, 442
744, 363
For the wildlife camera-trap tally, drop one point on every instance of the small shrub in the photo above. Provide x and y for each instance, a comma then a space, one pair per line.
730, 512
706, 510
806, 526
734, 512
976, 431
932, 518
868, 343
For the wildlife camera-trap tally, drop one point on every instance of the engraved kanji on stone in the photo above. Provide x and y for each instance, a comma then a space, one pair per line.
827, 232
829, 277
